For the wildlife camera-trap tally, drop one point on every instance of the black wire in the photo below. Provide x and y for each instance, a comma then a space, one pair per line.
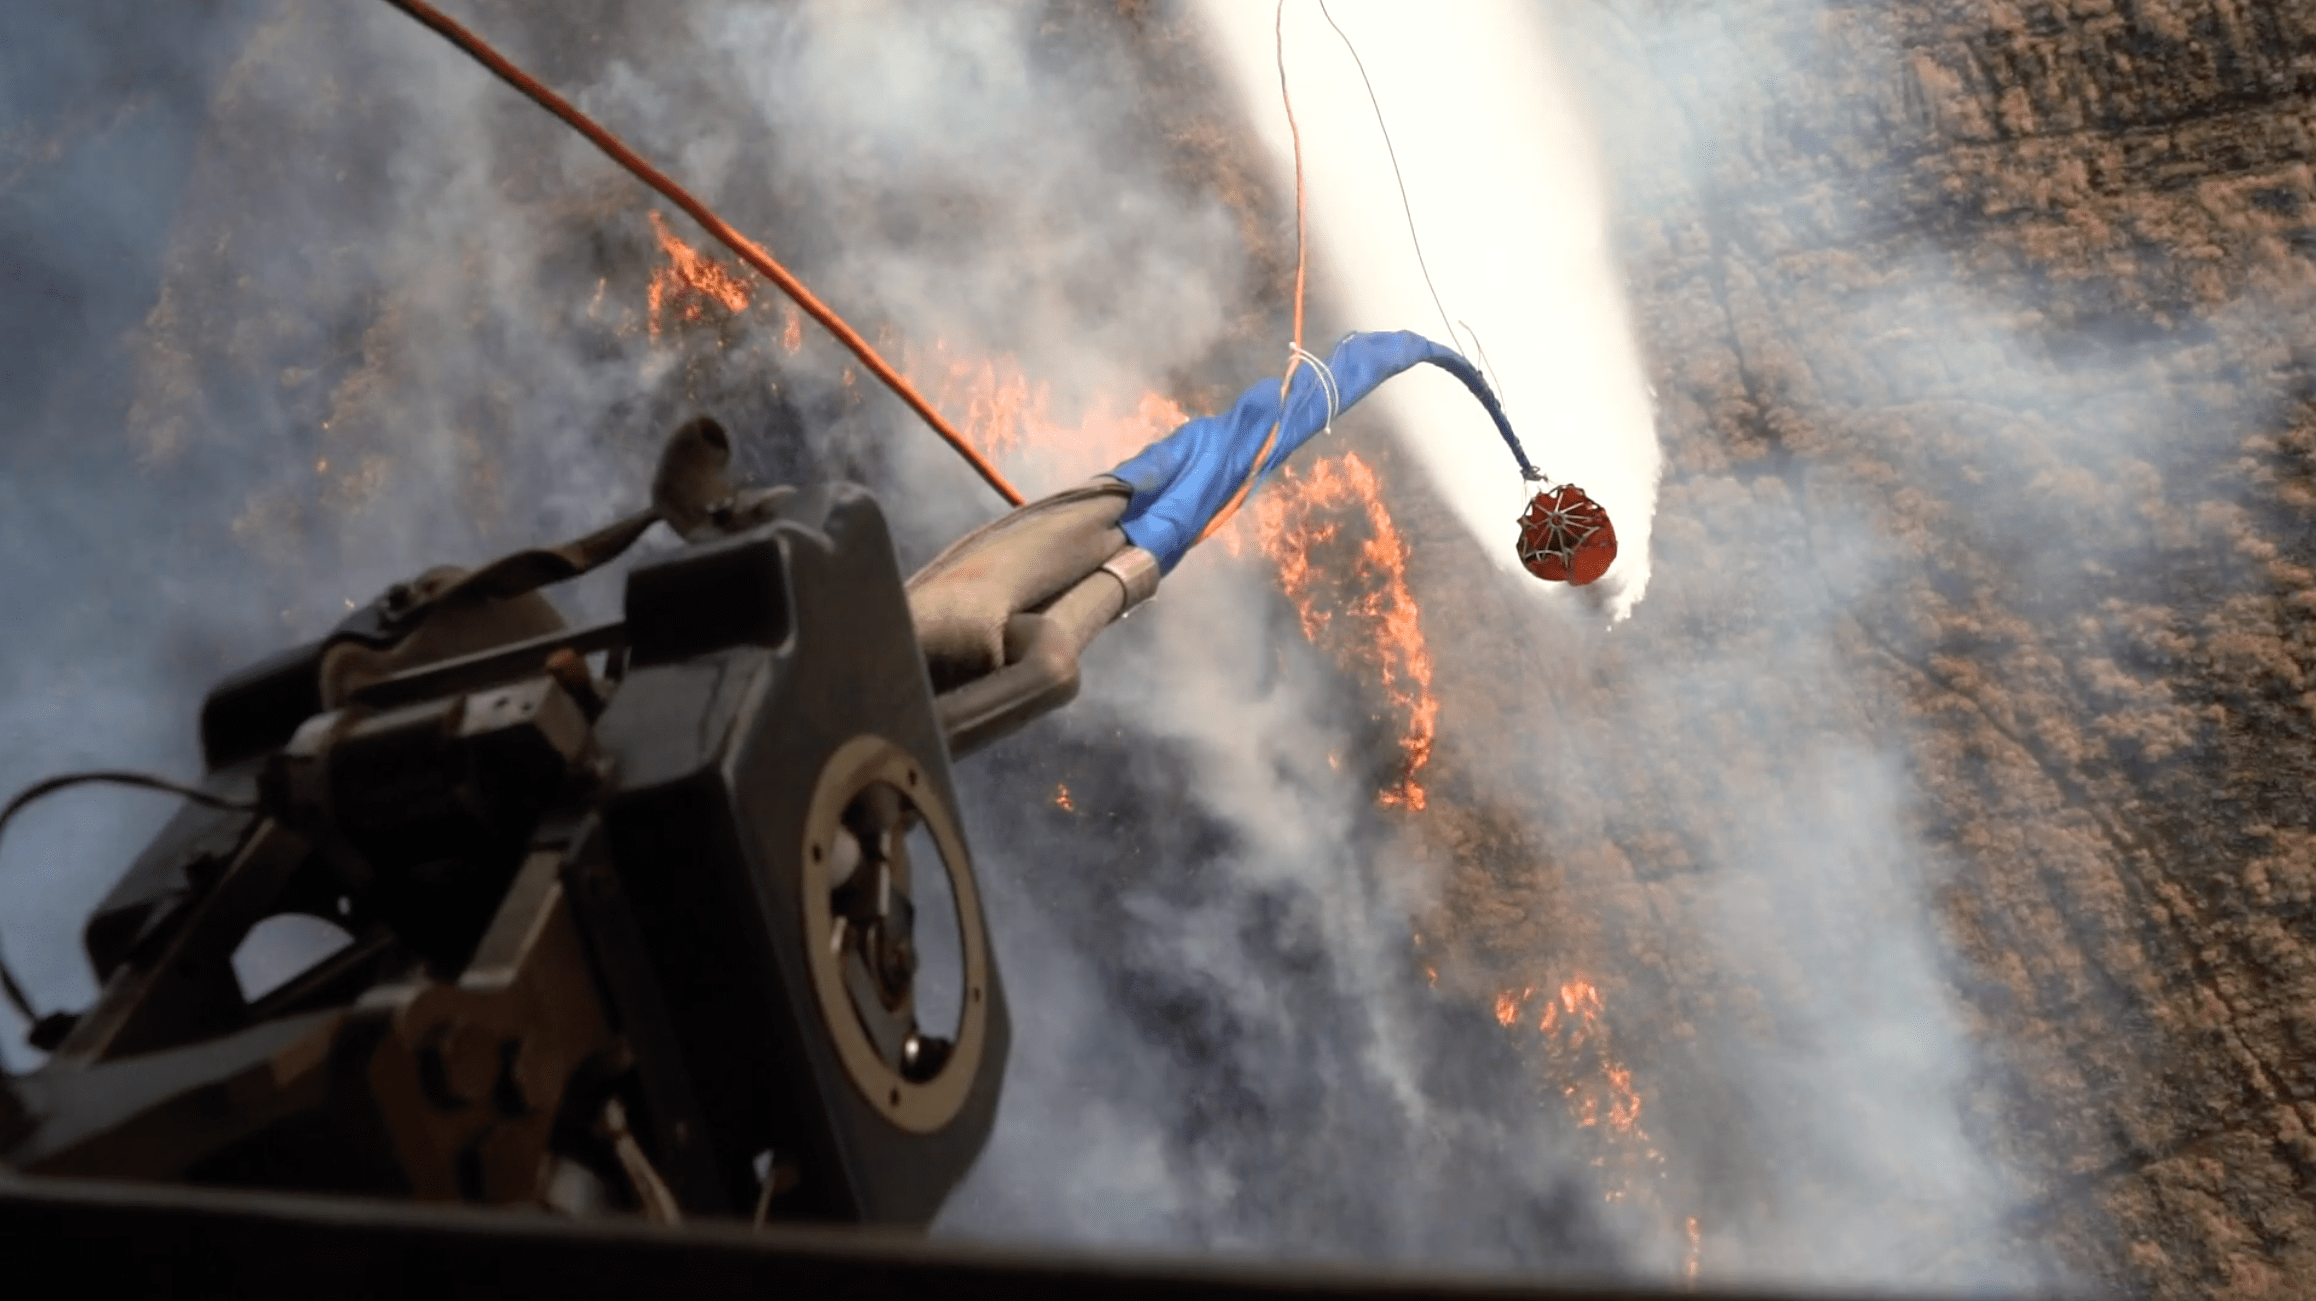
15, 992
1393, 154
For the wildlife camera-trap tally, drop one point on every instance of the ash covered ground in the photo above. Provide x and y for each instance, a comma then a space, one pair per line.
1914, 890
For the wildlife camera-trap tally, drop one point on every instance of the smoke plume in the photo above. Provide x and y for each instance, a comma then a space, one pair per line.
392, 316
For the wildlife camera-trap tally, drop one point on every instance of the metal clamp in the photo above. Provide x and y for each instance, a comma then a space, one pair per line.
1137, 571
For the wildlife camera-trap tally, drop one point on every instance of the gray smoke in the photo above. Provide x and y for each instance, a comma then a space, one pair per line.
1949, 486
399, 321
114, 625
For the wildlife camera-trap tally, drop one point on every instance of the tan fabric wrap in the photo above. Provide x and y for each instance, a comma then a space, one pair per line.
1017, 563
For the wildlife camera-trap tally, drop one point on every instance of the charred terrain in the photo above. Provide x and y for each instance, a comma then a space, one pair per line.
2026, 288
1917, 887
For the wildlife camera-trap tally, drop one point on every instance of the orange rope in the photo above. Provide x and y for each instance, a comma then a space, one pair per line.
1295, 133
746, 248
1302, 242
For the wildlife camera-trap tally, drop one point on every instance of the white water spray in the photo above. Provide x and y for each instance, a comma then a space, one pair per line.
1507, 196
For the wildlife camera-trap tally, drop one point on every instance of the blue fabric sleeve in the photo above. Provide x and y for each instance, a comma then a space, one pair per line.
1181, 481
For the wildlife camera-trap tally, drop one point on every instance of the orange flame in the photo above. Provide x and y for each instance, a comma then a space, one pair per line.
689, 282
1293, 518
1572, 1019
1061, 798
1696, 1251
1596, 1088
1006, 417
1624, 1104
792, 332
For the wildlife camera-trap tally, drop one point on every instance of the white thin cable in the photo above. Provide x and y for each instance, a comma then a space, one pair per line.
1299, 356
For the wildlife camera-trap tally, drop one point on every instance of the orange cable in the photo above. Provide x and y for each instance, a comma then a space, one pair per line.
1295, 133
1295, 357
740, 244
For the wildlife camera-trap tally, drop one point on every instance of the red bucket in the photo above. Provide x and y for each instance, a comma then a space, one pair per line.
1565, 537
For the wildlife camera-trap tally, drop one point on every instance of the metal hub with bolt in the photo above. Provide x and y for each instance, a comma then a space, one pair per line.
860, 921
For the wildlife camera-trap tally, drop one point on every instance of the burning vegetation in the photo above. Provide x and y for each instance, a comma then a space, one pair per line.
1302, 515
1570, 1032
691, 282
